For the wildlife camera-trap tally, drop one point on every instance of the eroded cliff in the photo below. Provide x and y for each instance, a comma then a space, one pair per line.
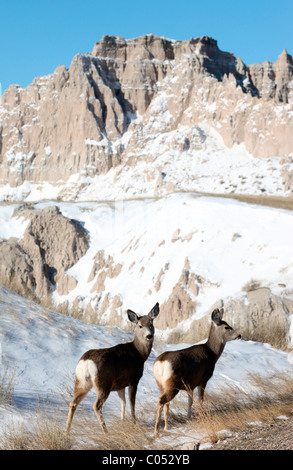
109, 106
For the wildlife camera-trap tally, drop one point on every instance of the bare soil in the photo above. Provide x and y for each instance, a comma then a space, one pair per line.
276, 435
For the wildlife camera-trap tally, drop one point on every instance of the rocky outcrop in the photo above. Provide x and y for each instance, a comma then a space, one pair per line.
181, 303
36, 264
259, 315
136, 268
107, 108
16, 270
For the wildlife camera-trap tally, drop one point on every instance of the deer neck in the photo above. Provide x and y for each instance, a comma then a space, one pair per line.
215, 344
143, 348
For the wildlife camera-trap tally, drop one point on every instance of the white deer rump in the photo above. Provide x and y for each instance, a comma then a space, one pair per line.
163, 370
85, 372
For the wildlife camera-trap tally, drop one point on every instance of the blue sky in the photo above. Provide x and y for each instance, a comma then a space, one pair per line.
38, 35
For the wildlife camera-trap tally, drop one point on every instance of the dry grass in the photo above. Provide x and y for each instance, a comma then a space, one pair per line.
234, 409
87, 434
7, 382
45, 432
42, 432
276, 335
230, 409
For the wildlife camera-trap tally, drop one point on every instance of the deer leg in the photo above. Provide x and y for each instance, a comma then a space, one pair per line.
200, 390
102, 395
78, 395
132, 394
190, 402
163, 402
98, 410
166, 411
158, 417
121, 394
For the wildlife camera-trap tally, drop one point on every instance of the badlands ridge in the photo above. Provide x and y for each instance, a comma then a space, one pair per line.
157, 118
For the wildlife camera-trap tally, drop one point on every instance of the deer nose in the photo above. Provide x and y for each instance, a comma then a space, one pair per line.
238, 337
149, 337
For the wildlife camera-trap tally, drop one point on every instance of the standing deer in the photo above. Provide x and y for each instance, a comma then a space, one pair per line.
114, 368
192, 367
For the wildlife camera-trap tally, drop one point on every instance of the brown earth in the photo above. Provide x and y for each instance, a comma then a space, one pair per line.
276, 435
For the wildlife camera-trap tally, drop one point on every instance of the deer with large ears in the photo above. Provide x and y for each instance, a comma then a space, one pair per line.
114, 368
191, 367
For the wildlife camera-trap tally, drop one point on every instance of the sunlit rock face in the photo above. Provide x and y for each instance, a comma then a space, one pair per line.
107, 109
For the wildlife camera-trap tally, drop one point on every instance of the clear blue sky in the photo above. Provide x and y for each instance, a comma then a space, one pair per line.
38, 35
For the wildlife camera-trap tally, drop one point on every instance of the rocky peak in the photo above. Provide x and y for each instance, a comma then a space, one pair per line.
285, 58
110, 46
146, 47
274, 79
208, 47
109, 105
153, 47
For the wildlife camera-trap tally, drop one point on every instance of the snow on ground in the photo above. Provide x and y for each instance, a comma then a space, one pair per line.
43, 348
11, 226
227, 242
163, 165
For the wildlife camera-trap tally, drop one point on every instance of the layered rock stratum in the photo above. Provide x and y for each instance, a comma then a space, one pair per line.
143, 117
145, 107
37, 263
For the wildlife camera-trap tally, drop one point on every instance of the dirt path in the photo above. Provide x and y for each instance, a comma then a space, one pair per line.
277, 435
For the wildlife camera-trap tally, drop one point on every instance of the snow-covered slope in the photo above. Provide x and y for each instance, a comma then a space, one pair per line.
140, 251
208, 166
227, 243
43, 348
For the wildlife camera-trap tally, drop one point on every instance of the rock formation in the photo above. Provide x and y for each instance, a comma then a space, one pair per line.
106, 108
259, 314
142, 268
36, 263
133, 109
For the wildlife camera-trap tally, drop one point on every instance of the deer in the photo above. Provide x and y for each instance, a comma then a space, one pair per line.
192, 367
114, 369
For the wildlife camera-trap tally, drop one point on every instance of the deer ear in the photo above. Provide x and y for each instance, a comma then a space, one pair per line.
132, 316
217, 315
154, 311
